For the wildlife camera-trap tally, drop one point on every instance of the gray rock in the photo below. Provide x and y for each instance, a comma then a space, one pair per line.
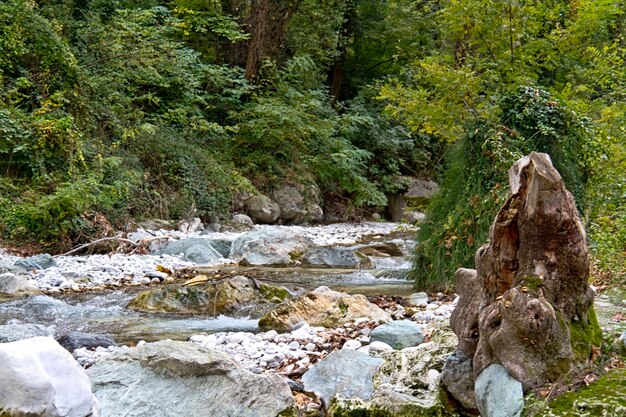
222, 246
458, 379
498, 394
291, 203
418, 188
194, 249
335, 257
407, 384
15, 332
16, 284
417, 299
346, 373
241, 223
156, 224
41, 261
398, 334
314, 213
269, 246
40, 378
169, 379
413, 216
75, 340
262, 209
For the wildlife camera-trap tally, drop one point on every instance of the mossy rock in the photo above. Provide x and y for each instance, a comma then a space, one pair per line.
213, 298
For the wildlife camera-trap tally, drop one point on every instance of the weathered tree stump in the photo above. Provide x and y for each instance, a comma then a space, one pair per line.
528, 305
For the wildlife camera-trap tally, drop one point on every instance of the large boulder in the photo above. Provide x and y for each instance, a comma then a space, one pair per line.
40, 378
299, 203
17, 284
182, 379
344, 372
322, 307
262, 209
398, 334
528, 305
193, 249
15, 332
407, 384
208, 298
269, 245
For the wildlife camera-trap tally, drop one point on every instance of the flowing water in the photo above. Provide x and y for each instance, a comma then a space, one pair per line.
106, 312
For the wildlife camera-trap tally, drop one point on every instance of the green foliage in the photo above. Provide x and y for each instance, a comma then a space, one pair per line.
475, 181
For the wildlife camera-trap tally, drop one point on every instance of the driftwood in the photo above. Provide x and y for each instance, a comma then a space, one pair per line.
528, 305
140, 243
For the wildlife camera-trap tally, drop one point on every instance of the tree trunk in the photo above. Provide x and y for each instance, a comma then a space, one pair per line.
528, 305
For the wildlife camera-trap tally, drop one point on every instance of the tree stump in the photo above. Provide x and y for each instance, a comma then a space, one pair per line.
528, 305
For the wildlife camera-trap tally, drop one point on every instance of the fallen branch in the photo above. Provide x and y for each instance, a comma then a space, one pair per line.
114, 239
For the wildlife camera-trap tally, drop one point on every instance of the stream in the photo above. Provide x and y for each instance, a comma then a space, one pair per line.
105, 311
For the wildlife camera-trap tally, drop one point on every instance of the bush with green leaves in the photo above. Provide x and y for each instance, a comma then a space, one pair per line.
475, 182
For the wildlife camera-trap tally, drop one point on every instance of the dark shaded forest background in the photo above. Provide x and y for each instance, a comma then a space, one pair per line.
112, 110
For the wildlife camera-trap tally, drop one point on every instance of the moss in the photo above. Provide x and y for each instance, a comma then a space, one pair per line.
289, 412
532, 282
604, 398
358, 408
274, 294
585, 333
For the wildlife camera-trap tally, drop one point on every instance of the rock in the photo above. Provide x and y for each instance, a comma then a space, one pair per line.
407, 384
322, 307
41, 261
15, 332
376, 348
345, 372
222, 246
270, 245
77, 340
171, 379
191, 226
621, 343
458, 380
156, 224
17, 284
418, 299
291, 203
412, 216
212, 298
40, 378
498, 394
352, 344
398, 334
194, 249
262, 209
421, 189
528, 305
335, 257
241, 223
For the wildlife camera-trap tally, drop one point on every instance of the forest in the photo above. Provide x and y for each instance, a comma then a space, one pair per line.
112, 110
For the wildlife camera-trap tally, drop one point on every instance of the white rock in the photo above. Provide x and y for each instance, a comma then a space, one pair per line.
198, 338
236, 338
270, 335
352, 344
40, 377
310, 347
379, 347
294, 345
